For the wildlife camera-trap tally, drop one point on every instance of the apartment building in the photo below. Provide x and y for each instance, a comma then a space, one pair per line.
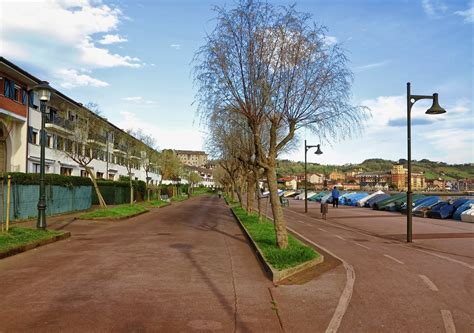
72, 130
192, 157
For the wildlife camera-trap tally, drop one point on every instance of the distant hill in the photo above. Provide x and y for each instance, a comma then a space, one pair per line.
431, 169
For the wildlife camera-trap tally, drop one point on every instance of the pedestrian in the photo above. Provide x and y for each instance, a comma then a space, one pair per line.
335, 197
219, 194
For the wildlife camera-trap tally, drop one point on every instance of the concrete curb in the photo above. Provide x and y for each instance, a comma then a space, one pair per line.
113, 218
278, 275
24, 248
162, 206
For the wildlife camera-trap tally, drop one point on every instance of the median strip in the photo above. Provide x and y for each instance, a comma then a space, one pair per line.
18, 240
279, 263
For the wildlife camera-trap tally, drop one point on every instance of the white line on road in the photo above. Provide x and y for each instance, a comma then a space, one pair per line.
394, 259
365, 247
323, 230
346, 295
448, 321
340, 237
300, 222
428, 282
446, 258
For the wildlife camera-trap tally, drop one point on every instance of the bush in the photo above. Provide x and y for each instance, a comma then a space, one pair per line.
21, 178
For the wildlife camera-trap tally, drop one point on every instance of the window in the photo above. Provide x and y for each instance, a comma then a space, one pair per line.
60, 143
34, 137
17, 94
99, 175
65, 171
84, 173
111, 176
36, 168
49, 141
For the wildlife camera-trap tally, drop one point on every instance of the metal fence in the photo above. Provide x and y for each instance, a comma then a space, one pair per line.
59, 199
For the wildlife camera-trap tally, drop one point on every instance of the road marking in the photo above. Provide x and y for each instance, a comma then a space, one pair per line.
428, 282
448, 321
394, 259
300, 222
365, 247
346, 295
340, 237
323, 230
446, 258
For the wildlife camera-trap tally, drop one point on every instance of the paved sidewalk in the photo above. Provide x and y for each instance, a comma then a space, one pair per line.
186, 267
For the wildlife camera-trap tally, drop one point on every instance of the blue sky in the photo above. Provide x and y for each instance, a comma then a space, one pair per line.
134, 58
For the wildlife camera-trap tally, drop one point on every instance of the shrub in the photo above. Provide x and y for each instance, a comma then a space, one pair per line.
21, 178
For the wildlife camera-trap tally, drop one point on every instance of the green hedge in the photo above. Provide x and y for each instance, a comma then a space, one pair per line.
118, 192
21, 178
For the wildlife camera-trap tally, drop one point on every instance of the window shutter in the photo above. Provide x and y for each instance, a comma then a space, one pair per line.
6, 89
30, 134
23, 96
31, 98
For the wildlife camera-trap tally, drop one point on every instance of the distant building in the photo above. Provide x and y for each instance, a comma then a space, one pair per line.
315, 178
374, 179
192, 157
400, 178
336, 176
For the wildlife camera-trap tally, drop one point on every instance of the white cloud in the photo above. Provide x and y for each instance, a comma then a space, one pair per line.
448, 137
132, 98
176, 46
58, 35
166, 137
371, 66
138, 100
111, 39
467, 14
330, 40
71, 78
434, 8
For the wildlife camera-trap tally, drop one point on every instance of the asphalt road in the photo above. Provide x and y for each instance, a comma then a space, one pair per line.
181, 268
427, 286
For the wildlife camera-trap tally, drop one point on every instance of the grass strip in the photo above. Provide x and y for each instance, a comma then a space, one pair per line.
17, 237
263, 233
120, 211
179, 198
154, 203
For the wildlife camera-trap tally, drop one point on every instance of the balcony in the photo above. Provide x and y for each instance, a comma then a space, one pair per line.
120, 149
59, 125
97, 139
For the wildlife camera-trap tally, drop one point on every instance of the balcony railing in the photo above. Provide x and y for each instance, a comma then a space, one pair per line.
58, 121
98, 138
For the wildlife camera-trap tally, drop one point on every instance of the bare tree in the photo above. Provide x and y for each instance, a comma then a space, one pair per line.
94, 107
274, 66
85, 144
149, 154
169, 164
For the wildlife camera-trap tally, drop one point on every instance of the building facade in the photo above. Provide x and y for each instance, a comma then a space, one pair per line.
192, 157
71, 130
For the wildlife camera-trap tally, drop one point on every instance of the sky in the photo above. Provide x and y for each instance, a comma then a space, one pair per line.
135, 59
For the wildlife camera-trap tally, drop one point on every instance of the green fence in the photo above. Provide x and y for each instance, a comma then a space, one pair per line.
118, 192
59, 199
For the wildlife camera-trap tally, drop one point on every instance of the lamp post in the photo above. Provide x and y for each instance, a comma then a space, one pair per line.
434, 109
317, 152
44, 91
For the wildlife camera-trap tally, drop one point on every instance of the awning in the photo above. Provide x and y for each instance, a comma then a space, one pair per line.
37, 160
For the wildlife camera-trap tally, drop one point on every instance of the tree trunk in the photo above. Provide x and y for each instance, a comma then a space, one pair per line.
257, 195
250, 192
279, 220
96, 187
131, 187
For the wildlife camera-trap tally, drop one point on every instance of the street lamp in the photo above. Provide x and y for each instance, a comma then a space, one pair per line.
44, 90
317, 152
434, 109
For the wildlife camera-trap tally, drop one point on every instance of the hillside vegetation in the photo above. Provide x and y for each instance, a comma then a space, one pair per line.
431, 169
